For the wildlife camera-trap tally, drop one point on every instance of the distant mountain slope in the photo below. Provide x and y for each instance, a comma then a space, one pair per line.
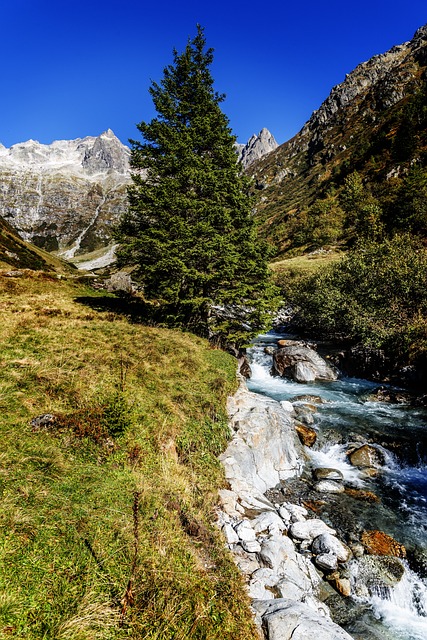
65, 196
362, 125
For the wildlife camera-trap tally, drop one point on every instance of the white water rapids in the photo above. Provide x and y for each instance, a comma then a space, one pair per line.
349, 415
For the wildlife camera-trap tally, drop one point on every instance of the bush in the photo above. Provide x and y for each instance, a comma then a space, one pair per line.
376, 294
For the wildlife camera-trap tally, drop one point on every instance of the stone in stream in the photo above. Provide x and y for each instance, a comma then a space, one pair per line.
304, 414
381, 544
371, 574
326, 473
306, 434
329, 486
302, 364
311, 399
367, 456
327, 543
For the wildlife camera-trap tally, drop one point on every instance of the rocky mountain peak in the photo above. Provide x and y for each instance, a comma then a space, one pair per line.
106, 153
257, 147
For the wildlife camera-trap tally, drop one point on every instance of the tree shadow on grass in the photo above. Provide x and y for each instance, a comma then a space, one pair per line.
134, 309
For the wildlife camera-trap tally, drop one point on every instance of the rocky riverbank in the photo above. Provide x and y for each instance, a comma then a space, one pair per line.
271, 542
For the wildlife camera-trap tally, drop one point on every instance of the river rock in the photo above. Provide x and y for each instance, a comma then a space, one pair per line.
343, 586
302, 364
329, 486
264, 449
268, 522
307, 435
366, 456
326, 562
360, 494
327, 543
370, 574
381, 544
304, 414
326, 473
309, 529
297, 511
307, 397
285, 620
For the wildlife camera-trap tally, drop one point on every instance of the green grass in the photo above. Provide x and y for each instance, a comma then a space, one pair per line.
304, 265
106, 514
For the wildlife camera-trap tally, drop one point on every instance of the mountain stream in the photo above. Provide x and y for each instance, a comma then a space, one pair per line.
347, 415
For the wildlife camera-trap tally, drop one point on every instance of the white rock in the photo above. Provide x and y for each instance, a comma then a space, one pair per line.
268, 521
309, 529
329, 486
285, 515
259, 583
327, 543
230, 535
265, 448
327, 562
297, 511
245, 531
251, 546
287, 406
276, 553
285, 620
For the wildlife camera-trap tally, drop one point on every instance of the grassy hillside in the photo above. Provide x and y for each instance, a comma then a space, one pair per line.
15, 253
108, 501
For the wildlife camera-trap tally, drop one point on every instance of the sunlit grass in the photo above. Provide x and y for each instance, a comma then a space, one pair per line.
106, 514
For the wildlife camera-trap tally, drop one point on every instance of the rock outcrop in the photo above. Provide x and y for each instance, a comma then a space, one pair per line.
349, 121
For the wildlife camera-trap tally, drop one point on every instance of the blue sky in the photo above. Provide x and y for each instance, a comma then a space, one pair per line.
71, 69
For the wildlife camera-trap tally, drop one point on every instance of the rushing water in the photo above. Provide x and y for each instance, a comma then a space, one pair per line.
349, 416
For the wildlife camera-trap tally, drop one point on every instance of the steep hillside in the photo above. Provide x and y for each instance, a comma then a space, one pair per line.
374, 122
15, 253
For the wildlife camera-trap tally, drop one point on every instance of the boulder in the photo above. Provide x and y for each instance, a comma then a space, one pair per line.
371, 574
366, 456
327, 543
285, 620
309, 529
326, 473
264, 449
380, 544
301, 363
327, 562
307, 435
329, 486
268, 522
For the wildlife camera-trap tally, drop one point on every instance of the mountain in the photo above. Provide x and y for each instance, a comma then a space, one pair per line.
374, 123
256, 147
65, 196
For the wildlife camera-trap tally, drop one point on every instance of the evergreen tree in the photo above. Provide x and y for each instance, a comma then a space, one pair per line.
189, 227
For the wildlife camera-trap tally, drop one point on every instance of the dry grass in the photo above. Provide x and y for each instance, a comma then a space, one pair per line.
136, 410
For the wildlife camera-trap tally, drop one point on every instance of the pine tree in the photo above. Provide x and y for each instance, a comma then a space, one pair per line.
189, 228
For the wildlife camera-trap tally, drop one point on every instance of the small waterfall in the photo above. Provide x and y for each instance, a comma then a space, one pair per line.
403, 608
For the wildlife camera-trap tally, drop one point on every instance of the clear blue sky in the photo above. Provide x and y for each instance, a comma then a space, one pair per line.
75, 68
